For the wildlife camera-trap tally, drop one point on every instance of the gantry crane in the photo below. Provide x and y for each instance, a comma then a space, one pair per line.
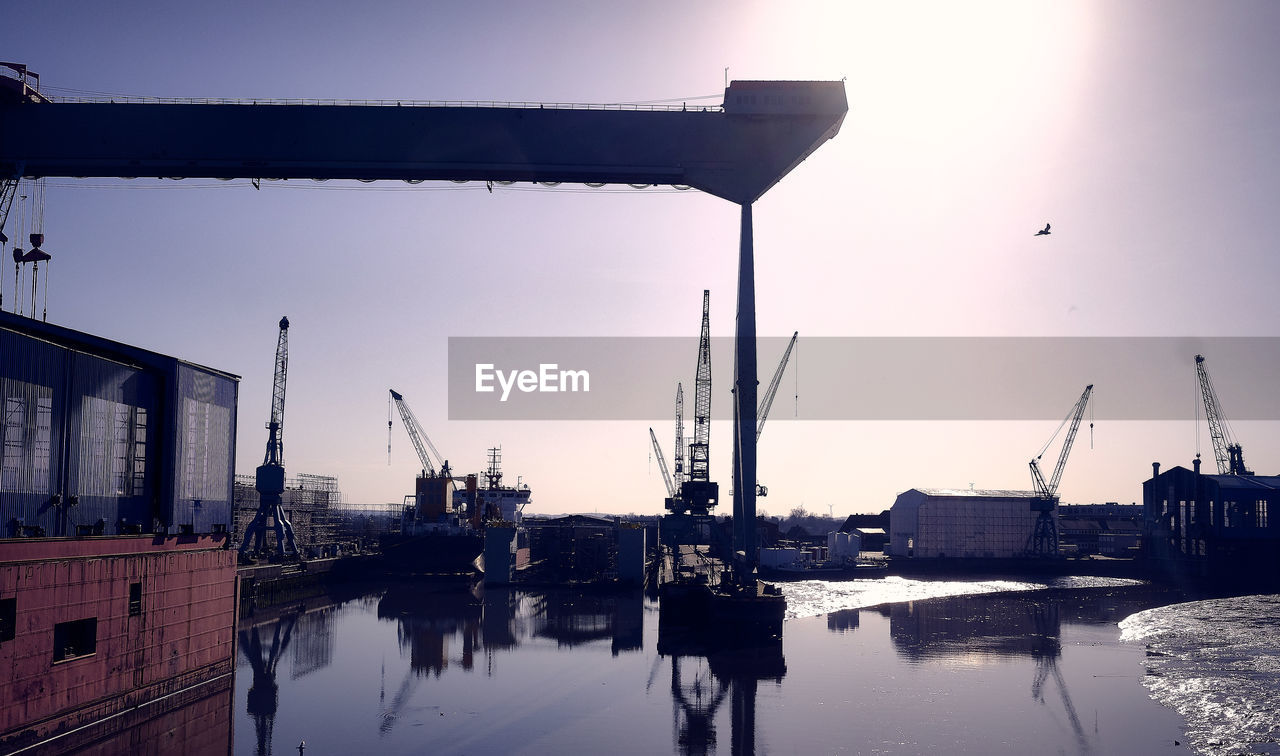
1229, 454
1045, 536
270, 479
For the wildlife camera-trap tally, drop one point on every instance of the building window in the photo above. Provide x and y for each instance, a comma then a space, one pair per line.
8, 618
135, 599
72, 640
1262, 513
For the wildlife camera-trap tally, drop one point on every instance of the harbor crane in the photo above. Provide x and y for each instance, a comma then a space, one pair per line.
767, 401
678, 478
1045, 536
270, 478
672, 490
421, 443
698, 494
1226, 450
772, 391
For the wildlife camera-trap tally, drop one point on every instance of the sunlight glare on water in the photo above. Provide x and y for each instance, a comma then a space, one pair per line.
812, 598
1217, 663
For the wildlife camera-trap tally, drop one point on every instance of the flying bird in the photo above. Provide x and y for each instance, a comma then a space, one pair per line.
1044, 231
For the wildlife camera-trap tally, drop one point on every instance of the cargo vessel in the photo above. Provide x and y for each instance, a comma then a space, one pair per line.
442, 524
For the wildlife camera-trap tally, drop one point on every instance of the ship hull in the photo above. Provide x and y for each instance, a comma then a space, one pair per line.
430, 554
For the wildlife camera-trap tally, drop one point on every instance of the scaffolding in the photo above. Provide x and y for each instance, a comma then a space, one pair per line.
310, 501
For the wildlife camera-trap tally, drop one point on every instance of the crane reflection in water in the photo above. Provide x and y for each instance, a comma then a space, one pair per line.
706, 670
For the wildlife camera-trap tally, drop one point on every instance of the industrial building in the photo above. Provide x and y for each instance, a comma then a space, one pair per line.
117, 594
1110, 530
1213, 526
964, 523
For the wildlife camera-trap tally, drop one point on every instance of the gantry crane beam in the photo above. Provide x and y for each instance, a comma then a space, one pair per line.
736, 152
1228, 453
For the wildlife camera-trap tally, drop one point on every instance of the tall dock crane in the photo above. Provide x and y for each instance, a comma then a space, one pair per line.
270, 478
699, 494
1045, 535
1226, 450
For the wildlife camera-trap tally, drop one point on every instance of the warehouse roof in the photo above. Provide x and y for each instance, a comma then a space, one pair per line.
977, 493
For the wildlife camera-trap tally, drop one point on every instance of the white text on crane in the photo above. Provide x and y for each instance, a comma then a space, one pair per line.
548, 378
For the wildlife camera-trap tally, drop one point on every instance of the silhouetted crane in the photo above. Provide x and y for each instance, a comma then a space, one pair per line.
1045, 536
270, 479
1229, 454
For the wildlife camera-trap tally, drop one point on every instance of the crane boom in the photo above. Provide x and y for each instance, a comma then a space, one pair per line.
417, 435
1228, 453
662, 464
678, 477
275, 426
1049, 490
699, 450
770, 392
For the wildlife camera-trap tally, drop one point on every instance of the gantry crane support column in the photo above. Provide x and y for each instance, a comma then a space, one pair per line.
744, 401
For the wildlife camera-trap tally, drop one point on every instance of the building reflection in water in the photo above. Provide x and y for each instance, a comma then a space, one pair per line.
708, 668
1003, 625
444, 625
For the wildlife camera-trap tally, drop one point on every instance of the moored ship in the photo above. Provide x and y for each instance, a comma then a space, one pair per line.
442, 525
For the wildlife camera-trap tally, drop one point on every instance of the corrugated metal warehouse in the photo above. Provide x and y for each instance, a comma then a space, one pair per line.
108, 437
962, 523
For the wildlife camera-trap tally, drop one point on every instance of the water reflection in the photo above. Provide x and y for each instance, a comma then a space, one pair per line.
705, 672
1005, 625
263, 659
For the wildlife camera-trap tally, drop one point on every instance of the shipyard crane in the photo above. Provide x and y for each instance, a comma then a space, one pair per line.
270, 478
672, 490
678, 478
698, 494
1226, 450
1045, 536
772, 391
700, 449
418, 436
767, 401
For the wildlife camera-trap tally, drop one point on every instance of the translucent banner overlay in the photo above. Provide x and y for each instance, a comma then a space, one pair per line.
865, 378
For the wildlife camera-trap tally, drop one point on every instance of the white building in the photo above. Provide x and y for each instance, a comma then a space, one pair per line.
964, 523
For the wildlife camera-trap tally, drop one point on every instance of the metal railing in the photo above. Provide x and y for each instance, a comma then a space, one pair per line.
138, 99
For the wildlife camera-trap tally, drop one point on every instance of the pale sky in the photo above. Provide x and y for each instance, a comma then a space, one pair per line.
1146, 133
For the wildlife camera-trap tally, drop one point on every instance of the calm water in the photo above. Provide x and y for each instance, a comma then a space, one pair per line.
869, 666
